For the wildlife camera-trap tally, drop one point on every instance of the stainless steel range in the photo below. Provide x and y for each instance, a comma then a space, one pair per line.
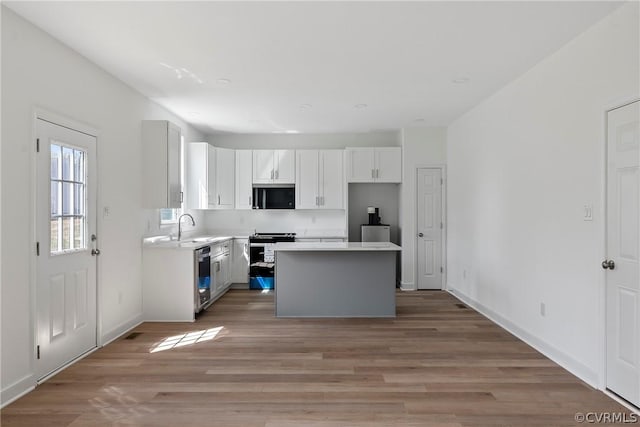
262, 260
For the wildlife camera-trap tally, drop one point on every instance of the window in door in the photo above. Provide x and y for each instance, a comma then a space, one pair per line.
68, 199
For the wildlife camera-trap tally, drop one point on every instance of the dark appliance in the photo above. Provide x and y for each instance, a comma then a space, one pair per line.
203, 278
274, 197
374, 215
262, 260
374, 231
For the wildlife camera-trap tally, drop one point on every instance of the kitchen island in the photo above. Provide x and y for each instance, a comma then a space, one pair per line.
335, 279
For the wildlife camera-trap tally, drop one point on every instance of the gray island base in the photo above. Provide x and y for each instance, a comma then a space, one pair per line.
334, 279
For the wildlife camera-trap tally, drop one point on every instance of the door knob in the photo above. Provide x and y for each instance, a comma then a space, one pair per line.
95, 252
608, 264
420, 234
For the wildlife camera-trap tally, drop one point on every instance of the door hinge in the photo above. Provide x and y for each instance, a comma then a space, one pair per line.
441, 226
37, 248
441, 181
37, 145
441, 269
38, 352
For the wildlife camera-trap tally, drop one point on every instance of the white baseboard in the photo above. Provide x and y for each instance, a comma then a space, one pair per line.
407, 286
121, 329
239, 286
16, 390
577, 368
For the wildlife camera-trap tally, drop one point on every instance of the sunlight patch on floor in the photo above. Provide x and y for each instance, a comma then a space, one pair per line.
185, 339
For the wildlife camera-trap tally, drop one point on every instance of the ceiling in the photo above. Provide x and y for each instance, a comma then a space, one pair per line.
315, 67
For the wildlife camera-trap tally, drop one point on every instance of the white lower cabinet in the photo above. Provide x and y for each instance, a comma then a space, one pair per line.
240, 261
221, 268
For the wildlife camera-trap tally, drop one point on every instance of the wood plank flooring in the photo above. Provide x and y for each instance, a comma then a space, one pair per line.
438, 363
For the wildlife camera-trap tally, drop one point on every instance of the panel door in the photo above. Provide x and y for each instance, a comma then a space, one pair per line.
66, 267
388, 165
307, 196
285, 169
361, 164
623, 228
174, 166
263, 171
225, 177
244, 167
331, 176
212, 197
429, 228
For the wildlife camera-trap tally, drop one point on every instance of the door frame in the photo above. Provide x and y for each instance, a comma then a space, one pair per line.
602, 251
443, 215
39, 113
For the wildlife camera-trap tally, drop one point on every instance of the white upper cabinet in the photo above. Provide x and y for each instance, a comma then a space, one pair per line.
244, 189
161, 164
319, 179
274, 166
210, 177
382, 164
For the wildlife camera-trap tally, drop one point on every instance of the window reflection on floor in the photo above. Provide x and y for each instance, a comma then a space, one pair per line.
185, 339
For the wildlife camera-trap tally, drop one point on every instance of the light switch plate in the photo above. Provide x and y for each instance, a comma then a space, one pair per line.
587, 214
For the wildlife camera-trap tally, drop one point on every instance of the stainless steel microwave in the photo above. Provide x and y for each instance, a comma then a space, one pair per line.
274, 197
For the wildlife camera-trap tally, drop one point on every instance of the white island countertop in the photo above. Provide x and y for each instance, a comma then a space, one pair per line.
336, 246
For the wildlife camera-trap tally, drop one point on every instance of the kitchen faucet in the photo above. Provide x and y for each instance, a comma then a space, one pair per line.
193, 222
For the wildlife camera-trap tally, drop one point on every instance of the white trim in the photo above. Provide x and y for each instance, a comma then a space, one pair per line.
120, 330
443, 218
64, 121
574, 366
66, 365
408, 286
16, 390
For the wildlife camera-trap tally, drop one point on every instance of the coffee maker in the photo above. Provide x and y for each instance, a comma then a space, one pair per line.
374, 215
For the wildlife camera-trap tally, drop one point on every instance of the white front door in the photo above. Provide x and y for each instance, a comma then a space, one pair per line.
623, 238
429, 228
65, 224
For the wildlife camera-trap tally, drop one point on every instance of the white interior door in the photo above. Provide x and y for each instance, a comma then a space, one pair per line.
623, 269
66, 267
429, 228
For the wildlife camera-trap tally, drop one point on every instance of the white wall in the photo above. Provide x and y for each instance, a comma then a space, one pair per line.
421, 146
38, 71
521, 165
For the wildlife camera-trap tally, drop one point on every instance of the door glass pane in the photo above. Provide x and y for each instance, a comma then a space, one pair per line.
78, 165
78, 233
67, 163
56, 231
56, 200
56, 156
67, 230
67, 198
78, 199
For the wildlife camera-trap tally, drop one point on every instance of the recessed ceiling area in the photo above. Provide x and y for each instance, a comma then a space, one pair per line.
315, 67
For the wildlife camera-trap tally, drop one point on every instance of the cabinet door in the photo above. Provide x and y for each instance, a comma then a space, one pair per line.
174, 164
263, 170
331, 179
225, 176
307, 196
285, 166
244, 168
197, 196
360, 167
389, 164
212, 198
240, 261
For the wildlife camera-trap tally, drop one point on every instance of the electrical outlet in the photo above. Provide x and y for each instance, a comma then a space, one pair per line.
587, 214
543, 309
106, 211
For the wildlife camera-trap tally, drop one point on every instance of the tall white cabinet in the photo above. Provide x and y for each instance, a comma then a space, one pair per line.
380, 164
319, 179
244, 171
161, 164
274, 166
210, 177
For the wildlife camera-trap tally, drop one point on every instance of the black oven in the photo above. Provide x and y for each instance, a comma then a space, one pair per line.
262, 259
269, 197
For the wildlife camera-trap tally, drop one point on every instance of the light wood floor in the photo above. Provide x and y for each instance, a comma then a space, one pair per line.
437, 364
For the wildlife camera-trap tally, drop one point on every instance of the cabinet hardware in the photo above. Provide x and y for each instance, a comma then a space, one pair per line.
271, 173
218, 199
322, 200
277, 174
181, 197
37, 148
38, 352
249, 200
317, 201
37, 248
377, 173
373, 174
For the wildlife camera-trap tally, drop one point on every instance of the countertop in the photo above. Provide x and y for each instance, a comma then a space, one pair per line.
188, 243
336, 246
